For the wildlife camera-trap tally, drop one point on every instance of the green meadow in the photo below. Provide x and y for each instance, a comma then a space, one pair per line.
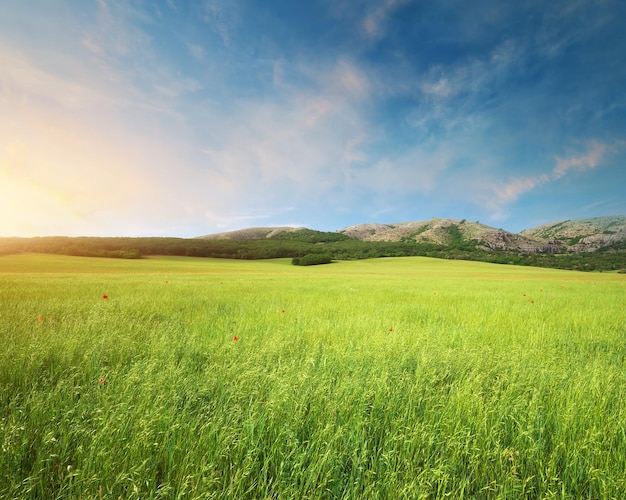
385, 378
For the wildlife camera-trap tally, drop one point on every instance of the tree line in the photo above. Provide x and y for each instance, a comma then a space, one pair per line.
310, 246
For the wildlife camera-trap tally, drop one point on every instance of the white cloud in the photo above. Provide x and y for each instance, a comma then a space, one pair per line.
301, 139
499, 195
512, 190
496, 196
584, 161
100, 122
449, 98
474, 75
100, 141
439, 89
312, 145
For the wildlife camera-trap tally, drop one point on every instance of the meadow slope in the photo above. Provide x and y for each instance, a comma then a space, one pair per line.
409, 377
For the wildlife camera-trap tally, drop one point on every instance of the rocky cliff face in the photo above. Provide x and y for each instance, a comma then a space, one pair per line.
502, 240
582, 235
451, 232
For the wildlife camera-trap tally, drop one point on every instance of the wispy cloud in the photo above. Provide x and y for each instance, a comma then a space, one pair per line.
510, 191
571, 23
75, 149
24, 77
117, 33
412, 171
450, 99
301, 137
370, 20
499, 195
474, 75
582, 161
373, 24
222, 17
223, 113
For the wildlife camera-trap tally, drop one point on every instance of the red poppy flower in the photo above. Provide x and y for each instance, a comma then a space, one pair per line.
102, 380
105, 296
235, 338
39, 318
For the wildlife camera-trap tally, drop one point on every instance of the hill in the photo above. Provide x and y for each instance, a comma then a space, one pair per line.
583, 235
586, 244
451, 232
251, 233
277, 233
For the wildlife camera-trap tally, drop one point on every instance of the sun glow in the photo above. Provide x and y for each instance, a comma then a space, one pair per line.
31, 209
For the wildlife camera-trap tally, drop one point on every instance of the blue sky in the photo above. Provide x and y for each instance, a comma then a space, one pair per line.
183, 118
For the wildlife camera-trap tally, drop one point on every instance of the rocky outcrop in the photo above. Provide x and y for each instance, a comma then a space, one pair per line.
582, 235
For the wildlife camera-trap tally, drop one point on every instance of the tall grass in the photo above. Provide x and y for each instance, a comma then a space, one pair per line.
390, 378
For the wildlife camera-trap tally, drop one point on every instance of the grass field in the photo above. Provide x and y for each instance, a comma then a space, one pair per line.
386, 378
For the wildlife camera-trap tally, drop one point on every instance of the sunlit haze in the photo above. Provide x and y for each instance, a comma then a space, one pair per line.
176, 118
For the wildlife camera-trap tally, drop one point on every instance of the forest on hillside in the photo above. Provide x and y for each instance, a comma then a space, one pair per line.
297, 246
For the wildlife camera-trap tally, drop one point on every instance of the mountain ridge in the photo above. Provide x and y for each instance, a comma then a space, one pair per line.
572, 235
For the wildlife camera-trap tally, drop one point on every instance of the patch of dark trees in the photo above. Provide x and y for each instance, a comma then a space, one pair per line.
308, 248
312, 259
